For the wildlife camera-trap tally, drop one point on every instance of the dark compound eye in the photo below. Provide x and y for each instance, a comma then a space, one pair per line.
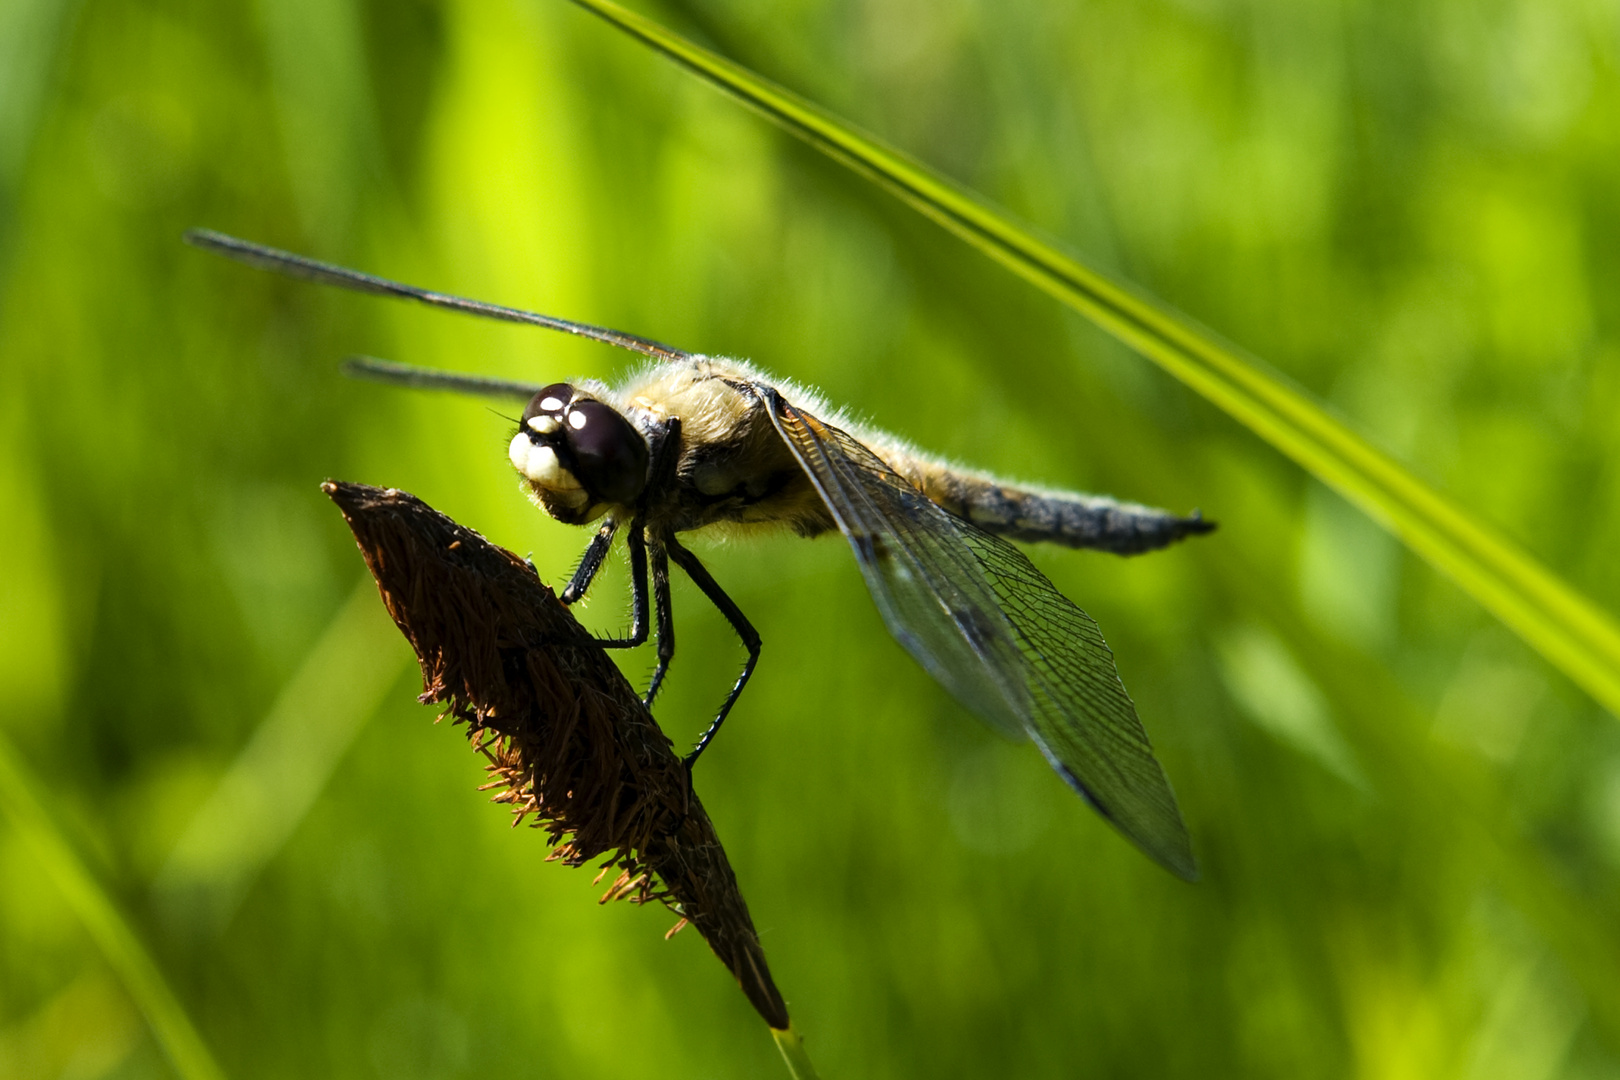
549, 402
610, 456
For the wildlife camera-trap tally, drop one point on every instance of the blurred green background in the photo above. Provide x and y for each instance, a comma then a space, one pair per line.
1409, 826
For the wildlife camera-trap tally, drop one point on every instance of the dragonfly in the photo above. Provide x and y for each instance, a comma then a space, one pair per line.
693, 442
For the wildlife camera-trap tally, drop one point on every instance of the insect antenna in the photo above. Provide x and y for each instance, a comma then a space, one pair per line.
284, 262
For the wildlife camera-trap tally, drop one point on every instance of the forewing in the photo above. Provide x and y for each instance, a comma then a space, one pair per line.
988, 625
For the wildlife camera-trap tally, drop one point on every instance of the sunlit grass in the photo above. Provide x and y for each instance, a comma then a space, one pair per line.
1409, 822
105, 923
1566, 627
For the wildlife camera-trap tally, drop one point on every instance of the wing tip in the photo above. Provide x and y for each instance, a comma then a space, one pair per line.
210, 240
1185, 868
1170, 848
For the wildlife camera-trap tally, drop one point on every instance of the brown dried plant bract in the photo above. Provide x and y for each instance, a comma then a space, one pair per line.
567, 738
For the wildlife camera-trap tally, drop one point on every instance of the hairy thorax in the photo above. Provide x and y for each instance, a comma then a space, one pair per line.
732, 470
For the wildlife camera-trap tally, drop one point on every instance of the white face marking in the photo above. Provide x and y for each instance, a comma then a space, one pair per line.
547, 471
518, 452
551, 404
540, 465
576, 419
545, 425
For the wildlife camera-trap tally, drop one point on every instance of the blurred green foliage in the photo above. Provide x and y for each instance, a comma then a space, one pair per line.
1409, 826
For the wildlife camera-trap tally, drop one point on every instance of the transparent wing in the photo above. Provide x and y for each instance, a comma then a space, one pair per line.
995, 633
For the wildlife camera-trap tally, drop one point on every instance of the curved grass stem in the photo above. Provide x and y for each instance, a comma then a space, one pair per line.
1569, 630
792, 1046
112, 933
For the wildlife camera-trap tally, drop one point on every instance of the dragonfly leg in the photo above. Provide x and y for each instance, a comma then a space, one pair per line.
665, 620
636, 541
589, 563
745, 630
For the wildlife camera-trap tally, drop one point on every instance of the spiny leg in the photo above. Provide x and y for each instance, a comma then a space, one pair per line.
745, 630
636, 541
665, 619
666, 455
595, 552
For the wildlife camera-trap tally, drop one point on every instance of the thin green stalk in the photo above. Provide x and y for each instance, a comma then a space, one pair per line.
792, 1046
1569, 630
266, 793
107, 926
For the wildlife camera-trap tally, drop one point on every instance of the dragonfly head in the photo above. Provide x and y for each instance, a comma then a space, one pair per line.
578, 455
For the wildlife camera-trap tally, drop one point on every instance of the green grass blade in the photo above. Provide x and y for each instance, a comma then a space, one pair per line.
791, 1044
1580, 639
268, 790
105, 923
